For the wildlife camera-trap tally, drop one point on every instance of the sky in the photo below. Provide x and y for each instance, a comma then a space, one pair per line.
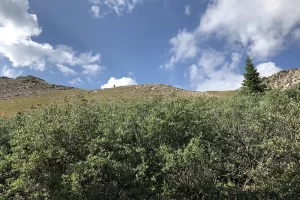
192, 44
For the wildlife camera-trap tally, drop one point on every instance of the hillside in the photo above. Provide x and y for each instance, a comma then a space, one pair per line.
25, 86
284, 79
27, 92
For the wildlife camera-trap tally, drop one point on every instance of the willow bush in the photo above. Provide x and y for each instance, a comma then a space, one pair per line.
243, 147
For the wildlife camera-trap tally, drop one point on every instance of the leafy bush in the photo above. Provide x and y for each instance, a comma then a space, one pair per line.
243, 147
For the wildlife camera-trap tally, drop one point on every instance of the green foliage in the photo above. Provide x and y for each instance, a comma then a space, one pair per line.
294, 92
252, 82
243, 147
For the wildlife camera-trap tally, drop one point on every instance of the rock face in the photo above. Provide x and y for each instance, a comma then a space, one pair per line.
284, 79
26, 85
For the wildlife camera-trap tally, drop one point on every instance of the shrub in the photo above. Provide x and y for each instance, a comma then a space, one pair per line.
243, 147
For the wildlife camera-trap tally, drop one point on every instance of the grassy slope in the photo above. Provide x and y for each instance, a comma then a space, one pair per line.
11, 106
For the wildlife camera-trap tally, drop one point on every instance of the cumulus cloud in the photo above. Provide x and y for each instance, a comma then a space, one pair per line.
260, 34
67, 71
214, 73
95, 11
92, 69
10, 72
210, 59
119, 82
221, 80
76, 81
117, 6
184, 47
263, 32
18, 26
267, 69
187, 10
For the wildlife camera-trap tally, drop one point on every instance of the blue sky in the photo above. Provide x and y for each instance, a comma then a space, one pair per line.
193, 44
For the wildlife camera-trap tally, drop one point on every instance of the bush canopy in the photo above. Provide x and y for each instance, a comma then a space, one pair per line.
242, 147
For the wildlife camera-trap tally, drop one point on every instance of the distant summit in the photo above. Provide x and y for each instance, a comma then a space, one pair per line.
31, 85
26, 85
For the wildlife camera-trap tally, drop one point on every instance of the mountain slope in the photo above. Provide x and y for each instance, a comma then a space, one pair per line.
30, 92
284, 79
25, 86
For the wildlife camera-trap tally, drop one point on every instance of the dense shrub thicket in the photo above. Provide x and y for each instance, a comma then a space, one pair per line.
242, 147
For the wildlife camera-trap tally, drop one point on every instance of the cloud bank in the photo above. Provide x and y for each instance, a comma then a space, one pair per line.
261, 34
118, 82
18, 27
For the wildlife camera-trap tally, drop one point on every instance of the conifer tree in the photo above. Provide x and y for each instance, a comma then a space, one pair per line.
252, 81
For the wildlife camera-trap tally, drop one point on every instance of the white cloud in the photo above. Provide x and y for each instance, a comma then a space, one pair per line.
213, 73
261, 26
236, 59
296, 34
210, 59
267, 69
18, 26
118, 6
263, 33
95, 1
10, 72
76, 81
221, 80
92, 69
195, 76
187, 10
66, 70
118, 82
96, 11
184, 47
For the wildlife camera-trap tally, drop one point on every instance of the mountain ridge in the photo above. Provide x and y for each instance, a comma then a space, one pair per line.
26, 86
31, 85
283, 79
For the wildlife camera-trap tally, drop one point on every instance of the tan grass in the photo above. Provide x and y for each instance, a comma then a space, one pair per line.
12, 106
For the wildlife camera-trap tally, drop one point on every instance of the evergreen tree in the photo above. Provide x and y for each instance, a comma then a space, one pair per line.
252, 81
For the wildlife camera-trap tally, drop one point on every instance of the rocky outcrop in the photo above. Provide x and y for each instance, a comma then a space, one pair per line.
283, 79
148, 89
26, 85
156, 88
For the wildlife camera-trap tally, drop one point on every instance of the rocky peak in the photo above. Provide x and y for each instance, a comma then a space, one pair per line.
284, 79
26, 85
